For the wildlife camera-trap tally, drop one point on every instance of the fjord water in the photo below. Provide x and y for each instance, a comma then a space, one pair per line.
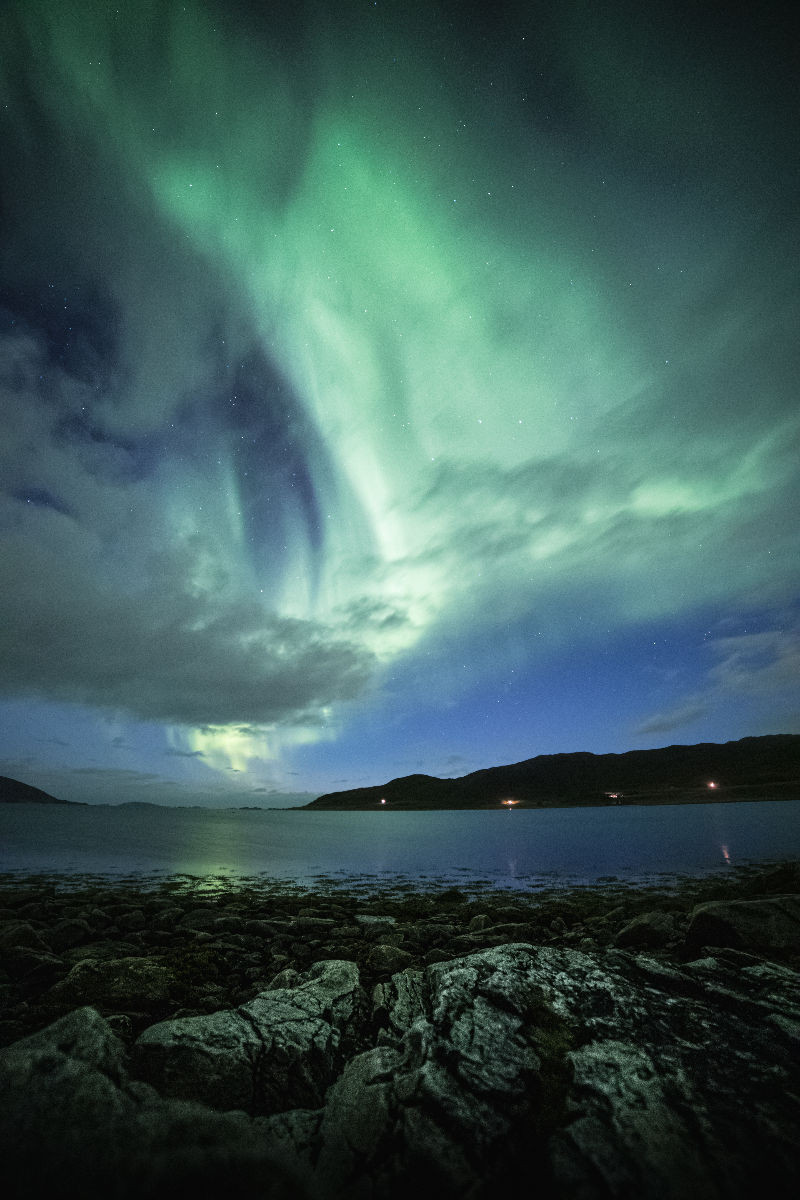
517, 849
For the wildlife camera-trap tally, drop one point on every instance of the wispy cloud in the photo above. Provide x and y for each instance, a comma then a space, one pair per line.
674, 718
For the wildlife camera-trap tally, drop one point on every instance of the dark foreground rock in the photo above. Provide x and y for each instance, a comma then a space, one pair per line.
280, 1051
557, 1071
75, 1125
258, 1042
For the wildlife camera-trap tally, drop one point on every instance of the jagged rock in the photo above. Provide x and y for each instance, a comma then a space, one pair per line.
117, 983
280, 1051
73, 1126
398, 1003
474, 1086
582, 1076
770, 924
648, 931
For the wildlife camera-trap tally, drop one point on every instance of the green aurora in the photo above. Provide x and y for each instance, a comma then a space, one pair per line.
457, 356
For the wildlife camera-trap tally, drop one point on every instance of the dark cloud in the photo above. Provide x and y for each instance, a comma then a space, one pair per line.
105, 605
161, 651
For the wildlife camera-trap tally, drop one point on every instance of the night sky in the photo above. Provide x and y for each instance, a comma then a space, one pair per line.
392, 387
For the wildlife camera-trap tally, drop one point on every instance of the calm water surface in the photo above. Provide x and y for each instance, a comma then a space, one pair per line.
507, 849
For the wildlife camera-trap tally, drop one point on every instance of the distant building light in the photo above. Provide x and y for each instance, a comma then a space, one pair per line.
712, 784
509, 803
383, 801
613, 795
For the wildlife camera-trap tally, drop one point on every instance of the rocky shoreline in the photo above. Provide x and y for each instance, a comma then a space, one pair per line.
261, 1040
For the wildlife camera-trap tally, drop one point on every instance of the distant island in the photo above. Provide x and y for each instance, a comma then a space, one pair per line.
12, 791
754, 768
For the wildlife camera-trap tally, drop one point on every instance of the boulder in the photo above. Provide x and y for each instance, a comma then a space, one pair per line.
74, 1127
371, 921
34, 967
117, 983
766, 925
386, 959
648, 931
22, 935
280, 1051
69, 932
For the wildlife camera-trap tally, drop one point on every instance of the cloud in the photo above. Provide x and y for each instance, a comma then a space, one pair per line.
747, 666
674, 718
162, 650
113, 600
763, 663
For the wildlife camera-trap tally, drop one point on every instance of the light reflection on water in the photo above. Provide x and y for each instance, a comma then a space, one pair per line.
534, 848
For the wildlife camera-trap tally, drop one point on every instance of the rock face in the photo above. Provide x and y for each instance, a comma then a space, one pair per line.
587, 1074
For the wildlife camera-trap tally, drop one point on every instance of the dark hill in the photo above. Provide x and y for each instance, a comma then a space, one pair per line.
12, 791
768, 767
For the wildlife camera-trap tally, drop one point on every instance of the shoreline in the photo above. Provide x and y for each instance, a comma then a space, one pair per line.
755, 795
217, 942
171, 1039
740, 794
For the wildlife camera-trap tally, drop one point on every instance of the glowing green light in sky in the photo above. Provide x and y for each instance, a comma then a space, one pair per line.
491, 344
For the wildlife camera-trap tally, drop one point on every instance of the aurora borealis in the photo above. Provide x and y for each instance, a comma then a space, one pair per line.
390, 388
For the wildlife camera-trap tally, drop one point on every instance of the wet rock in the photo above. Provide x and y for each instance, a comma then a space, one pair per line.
281, 1050
131, 921
200, 919
771, 924
101, 951
288, 977
435, 955
166, 916
374, 925
97, 918
313, 924
398, 1003
647, 931
69, 932
479, 922
481, 1069
119, 983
